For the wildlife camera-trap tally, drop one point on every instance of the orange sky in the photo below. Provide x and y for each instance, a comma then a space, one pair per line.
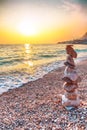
41, 22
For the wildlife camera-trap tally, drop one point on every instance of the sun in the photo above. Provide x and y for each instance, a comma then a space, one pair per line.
27, 28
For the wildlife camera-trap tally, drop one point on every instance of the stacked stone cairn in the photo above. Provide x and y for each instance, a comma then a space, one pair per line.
70, 99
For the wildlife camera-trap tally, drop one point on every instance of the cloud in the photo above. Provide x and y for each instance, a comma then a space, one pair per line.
68, 6
73, 6
81, 3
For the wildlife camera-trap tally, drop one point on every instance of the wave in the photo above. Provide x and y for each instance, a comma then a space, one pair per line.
48, 56
21, 65
10, 62
18, 78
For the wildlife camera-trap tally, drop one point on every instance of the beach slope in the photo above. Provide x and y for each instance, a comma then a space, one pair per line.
37, 105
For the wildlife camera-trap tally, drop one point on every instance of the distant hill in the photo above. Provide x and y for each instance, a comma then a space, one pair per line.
82, 40
84, 37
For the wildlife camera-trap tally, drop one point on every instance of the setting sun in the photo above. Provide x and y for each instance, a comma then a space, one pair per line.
41, 22
27, 28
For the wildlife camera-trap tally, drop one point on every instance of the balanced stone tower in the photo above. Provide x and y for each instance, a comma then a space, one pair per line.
70, 99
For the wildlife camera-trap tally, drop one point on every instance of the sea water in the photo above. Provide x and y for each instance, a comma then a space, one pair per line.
22, 63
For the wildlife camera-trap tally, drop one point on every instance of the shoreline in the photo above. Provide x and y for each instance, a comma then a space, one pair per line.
78, 62
56, 65
14, 76
37, 105
59, 69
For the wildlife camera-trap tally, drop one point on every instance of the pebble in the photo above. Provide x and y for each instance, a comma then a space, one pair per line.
21, 110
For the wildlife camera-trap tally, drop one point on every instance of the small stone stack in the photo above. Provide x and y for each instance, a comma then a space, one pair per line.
70, 99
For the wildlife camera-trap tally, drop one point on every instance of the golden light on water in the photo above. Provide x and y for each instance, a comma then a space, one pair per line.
27, 48
28, 53
30, 63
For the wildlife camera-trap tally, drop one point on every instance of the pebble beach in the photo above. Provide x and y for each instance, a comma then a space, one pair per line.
37, 104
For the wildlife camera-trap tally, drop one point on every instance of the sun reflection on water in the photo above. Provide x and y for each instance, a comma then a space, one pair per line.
27, 48
28, 52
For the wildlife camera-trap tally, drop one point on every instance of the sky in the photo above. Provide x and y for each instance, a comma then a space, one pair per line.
42, 21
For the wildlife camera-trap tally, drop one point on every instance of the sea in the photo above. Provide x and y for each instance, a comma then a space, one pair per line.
22, 63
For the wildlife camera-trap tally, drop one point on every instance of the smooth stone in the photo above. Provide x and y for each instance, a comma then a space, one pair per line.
71, 95
67, 102
71, 73
70, 108
69, 87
